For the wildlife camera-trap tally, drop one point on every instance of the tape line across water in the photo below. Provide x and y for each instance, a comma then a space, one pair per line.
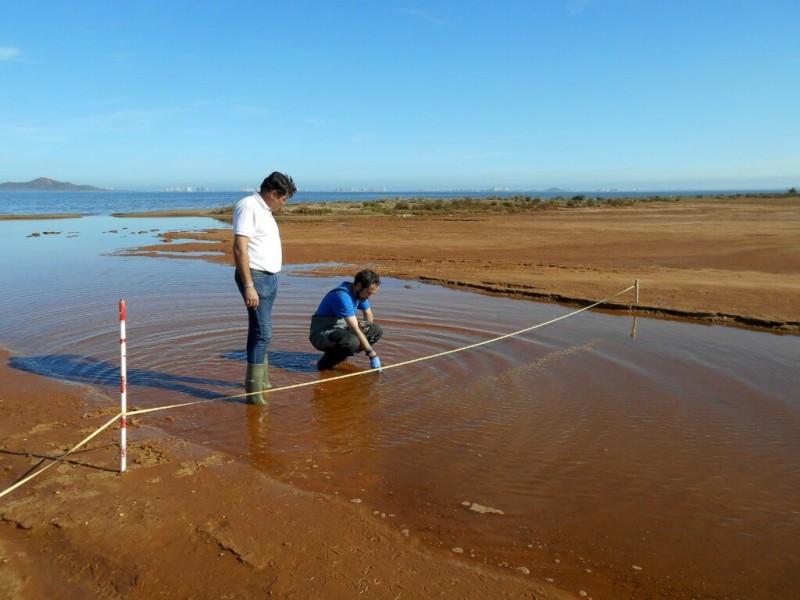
307, 383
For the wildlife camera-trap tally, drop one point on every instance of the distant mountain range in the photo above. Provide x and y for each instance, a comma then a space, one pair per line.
43, 184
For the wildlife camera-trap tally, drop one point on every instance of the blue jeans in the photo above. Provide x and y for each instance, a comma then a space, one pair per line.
259, 319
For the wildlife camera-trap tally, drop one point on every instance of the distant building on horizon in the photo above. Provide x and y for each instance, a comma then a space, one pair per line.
186, 189
366, 190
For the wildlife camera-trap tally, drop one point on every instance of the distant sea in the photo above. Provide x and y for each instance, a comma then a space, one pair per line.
106, 203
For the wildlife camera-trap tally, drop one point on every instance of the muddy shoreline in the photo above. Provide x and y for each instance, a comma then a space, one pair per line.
186, 521
731, 261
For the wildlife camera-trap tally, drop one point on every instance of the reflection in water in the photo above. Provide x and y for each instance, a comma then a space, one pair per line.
258, 428
606, 444
343, 414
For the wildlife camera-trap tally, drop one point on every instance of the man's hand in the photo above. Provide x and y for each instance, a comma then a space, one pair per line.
375, 363
250, 297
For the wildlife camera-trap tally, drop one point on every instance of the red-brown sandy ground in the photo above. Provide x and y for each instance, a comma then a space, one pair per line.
185, 522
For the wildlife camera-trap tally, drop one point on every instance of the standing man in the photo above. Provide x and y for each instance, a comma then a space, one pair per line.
258, 257
335, 330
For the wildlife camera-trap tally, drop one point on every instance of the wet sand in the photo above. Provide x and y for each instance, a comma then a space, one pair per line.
197, 524
184, 522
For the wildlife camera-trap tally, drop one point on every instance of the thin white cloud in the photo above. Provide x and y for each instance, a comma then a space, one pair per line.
251, 110
44, 135
578, 6
9, 53
422, 15
67, 130
125, 118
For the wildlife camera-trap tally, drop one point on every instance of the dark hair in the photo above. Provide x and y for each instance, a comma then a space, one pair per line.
283, 184
367, 277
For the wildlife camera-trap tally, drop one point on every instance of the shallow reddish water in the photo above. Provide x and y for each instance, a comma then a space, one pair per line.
661, 465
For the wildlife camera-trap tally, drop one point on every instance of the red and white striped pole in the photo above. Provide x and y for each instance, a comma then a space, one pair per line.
123, 400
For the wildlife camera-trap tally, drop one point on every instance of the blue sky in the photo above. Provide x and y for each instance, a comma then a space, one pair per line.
402, 95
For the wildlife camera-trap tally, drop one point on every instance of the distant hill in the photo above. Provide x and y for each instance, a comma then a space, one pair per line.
43, 184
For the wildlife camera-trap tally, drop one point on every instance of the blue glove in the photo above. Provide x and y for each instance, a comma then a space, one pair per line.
375, 363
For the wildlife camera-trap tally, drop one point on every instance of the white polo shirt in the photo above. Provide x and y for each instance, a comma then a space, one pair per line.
253, 219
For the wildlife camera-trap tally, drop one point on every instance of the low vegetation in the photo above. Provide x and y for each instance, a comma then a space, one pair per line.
451, 206
467, 205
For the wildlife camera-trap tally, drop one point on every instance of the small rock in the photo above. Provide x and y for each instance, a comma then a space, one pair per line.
485, 509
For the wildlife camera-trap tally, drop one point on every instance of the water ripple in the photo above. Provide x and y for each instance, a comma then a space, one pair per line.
679, 443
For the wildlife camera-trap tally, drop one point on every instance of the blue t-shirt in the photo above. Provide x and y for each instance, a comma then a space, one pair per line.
340, 303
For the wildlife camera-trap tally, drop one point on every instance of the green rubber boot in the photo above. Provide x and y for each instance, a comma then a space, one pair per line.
254, 384
266, 384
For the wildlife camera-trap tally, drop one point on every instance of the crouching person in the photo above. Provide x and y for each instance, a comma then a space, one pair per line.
335, 329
